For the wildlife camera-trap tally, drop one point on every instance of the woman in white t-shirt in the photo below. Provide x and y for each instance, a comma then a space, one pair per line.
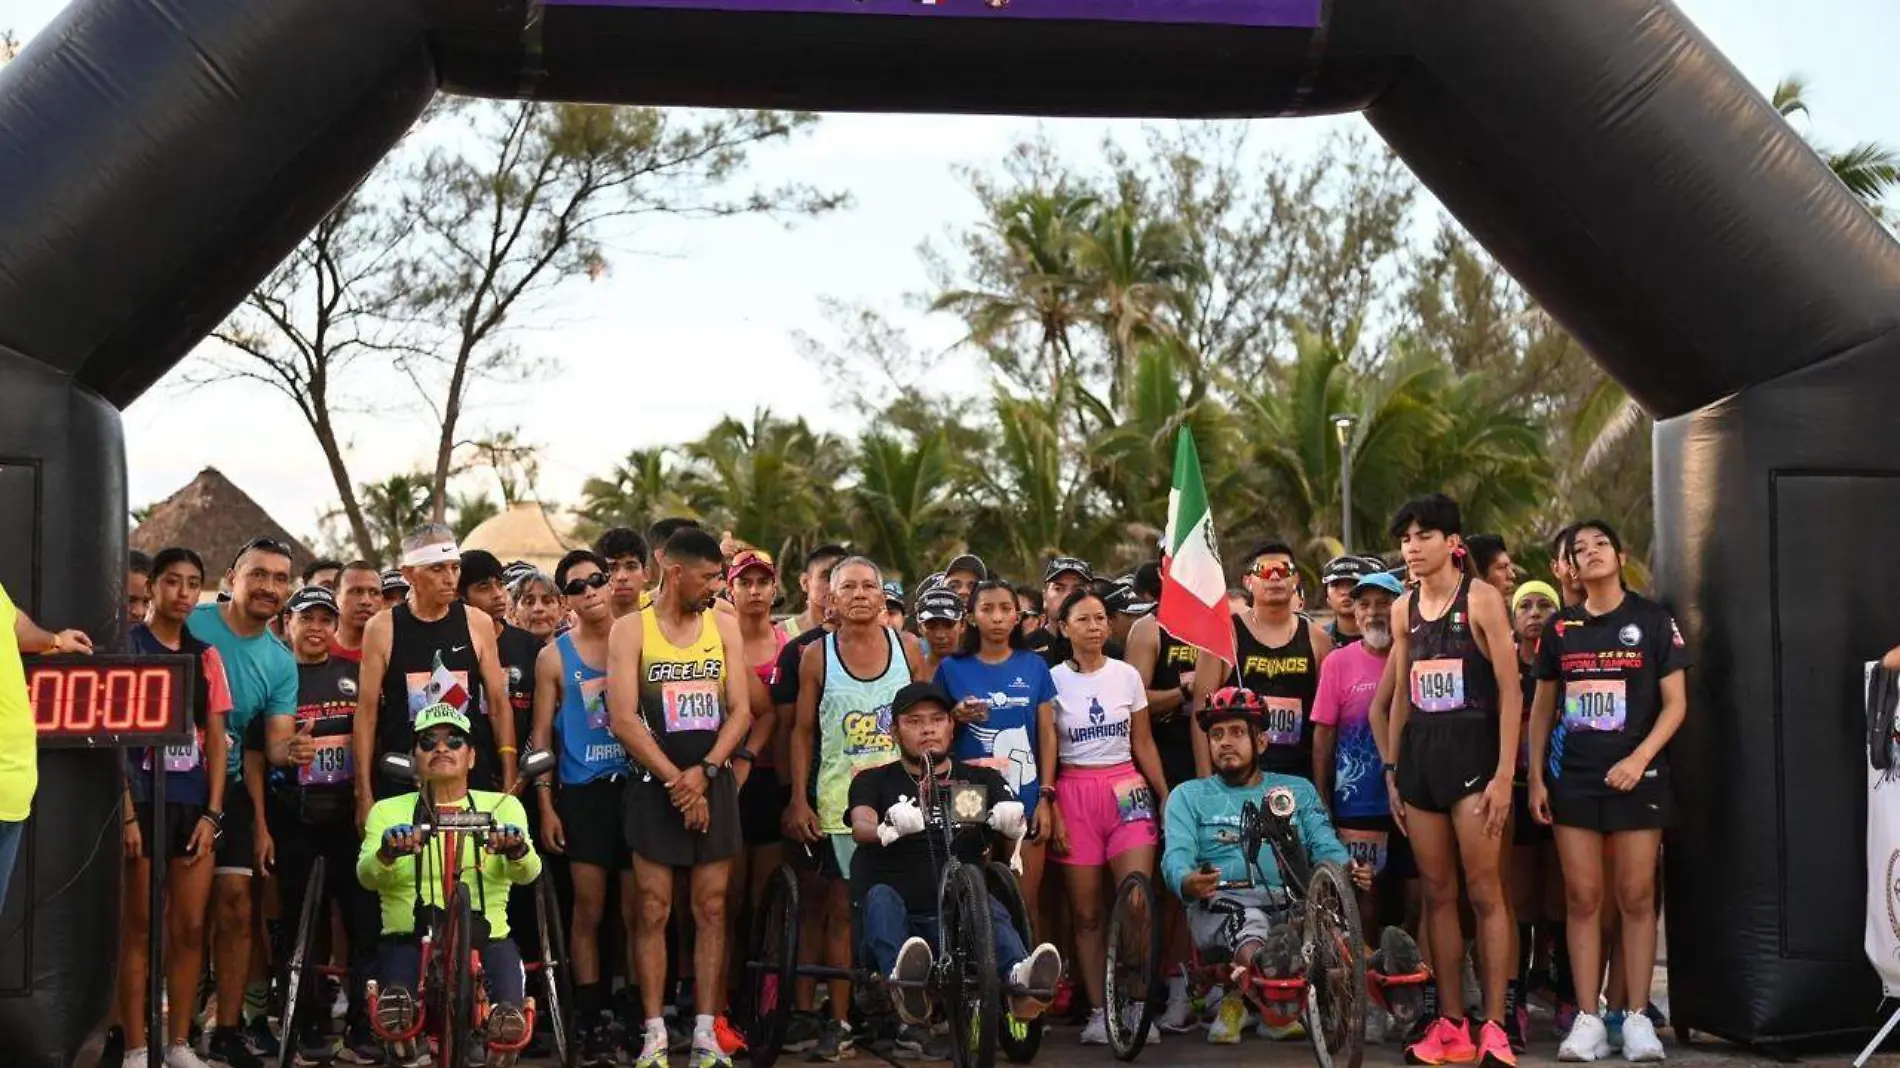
1109, 787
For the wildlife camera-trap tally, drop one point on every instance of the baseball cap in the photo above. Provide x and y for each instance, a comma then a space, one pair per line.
1535, 588
393, 581
1063, 564
1122, 600
312, 597
894, 594
967, 562
747, 559
515, 572
440, 715
1380, 580
939, 604
917, 693
1343, 569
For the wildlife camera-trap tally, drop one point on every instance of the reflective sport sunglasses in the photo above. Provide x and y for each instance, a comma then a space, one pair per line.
576, 587
432, 742
1272, 570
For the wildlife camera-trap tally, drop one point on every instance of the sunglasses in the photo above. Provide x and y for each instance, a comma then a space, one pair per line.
433, 742
1272, 571
576, 587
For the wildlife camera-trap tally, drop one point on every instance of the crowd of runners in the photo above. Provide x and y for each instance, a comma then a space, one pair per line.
1489, 751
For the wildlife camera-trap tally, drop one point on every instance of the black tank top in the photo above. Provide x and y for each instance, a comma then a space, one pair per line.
1287, 678
1449, 677
1173, 736
431, 662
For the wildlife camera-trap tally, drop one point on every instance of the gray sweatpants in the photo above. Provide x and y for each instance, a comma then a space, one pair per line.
1222, 922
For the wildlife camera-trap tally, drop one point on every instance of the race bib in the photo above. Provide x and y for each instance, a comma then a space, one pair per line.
1438, 685
1284, 718
1367, 847
332, 764
178, 758
1134, 801
1595, 705
594, 699
691, 706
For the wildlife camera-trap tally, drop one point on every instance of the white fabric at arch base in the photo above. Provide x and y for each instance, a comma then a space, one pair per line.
1883, 869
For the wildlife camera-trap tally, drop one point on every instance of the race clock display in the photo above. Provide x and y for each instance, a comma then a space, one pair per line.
110, 700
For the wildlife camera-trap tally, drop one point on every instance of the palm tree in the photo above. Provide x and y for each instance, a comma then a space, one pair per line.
394, 507
1133, 267
470, 510
637, 491
906, 508
772, 482
1132, 460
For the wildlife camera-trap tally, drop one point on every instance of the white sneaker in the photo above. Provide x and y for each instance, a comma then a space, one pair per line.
137, 1058
1639, 1039
182, 1056
1230, 1021
1588, 1040
1134, 1020
1179, 1016
1095, 1032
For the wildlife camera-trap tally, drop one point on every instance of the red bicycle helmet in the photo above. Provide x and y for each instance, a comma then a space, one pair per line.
1232, 702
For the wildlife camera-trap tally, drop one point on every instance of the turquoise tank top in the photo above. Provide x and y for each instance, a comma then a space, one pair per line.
854, 727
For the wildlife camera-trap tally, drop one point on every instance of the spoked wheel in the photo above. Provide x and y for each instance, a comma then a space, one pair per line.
1335, 969
458, 988
1019, 1040
970, 989
1133, 987
557, 981
301, 971
763, 1009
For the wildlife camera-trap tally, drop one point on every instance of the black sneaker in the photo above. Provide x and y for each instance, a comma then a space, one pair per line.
597, 1047
263, 1041
679, 1033
835, 1042
1656, 1016
918, 1044
227, 1046
360, 1046
801, 1032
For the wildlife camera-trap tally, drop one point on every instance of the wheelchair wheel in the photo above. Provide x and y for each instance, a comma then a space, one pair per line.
763, 1009
1133, 987
457, 1035
557, 989
300, 973
1019, 1040
970, 989
1335, 969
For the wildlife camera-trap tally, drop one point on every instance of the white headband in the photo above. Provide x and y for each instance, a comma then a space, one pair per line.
440, 552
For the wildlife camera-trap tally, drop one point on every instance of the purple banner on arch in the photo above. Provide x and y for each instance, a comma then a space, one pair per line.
1300, 14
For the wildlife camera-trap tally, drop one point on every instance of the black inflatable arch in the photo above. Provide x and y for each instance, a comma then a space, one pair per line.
159, 156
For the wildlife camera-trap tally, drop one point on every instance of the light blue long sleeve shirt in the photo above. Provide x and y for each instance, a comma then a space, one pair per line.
1204, 827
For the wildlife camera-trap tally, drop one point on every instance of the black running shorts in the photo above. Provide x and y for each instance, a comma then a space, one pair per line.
590, 819
656, 831
1442, 763
1648, 807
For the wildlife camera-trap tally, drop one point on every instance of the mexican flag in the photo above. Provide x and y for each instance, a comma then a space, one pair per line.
1193, 586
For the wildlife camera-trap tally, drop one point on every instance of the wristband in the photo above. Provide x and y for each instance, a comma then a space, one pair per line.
1391, 769
543, 784
130, 820
1046, 791
509, 749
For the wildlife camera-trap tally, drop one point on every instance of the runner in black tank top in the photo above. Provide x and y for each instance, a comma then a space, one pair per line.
1287, 678
1169, 665
1450, 746
431, 662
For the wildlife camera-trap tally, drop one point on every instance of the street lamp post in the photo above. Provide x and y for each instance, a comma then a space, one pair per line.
1342, 428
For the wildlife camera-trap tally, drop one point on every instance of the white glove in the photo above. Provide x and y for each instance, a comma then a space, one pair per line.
904, 818
886, 834
1006, 819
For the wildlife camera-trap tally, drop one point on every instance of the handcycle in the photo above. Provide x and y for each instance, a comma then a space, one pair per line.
964, 984
1329, 990
451, 994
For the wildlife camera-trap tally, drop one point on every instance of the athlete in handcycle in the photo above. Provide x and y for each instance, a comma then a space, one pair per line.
939, 927
442, 861
1281, 924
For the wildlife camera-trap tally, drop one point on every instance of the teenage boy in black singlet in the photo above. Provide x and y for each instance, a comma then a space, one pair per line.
1280, 653
1450, 756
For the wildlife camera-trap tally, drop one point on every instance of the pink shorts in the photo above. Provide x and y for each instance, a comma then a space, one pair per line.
1107, 811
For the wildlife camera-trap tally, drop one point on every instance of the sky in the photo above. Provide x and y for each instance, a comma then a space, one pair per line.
707, 311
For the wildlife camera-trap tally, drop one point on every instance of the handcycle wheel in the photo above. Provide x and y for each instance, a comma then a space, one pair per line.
301, 967
970, 990
763, 1010
1132, 987
1335, 969
458, 990
557, 990
1019, 1040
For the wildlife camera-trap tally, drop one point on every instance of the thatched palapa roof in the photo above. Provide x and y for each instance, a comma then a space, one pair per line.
524, 532
214, 518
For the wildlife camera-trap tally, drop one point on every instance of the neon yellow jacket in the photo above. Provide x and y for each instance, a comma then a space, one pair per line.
395, 883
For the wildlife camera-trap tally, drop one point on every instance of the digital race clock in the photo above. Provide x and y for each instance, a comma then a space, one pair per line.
110, 700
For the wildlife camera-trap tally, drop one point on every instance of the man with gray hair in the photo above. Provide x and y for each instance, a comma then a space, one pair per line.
846, 685
430, 649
